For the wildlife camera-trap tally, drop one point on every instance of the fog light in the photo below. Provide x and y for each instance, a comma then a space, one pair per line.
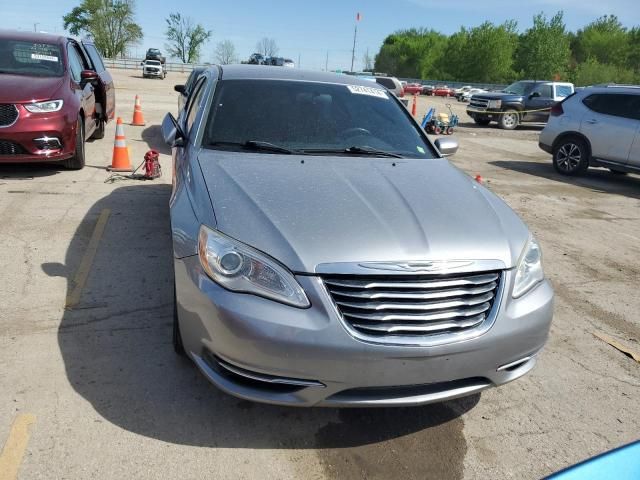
47, 143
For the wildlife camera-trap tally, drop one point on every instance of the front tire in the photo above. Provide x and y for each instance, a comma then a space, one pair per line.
509, 120
571, 156
78, 160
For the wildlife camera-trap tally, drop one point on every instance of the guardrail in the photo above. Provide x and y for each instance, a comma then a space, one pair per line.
135, 64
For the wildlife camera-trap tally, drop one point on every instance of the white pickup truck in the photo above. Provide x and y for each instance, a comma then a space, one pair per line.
153, 68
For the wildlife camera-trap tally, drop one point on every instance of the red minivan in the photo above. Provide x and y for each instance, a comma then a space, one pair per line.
54, 94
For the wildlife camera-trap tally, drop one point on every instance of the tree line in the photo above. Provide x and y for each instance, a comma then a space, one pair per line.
603, 51
113, 27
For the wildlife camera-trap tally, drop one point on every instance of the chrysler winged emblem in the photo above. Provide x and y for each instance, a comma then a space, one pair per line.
418, 266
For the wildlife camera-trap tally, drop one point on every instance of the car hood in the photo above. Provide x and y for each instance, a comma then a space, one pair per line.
311, 210
24, 89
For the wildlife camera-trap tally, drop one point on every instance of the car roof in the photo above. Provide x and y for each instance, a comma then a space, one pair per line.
31, 36
628, 89
263, 72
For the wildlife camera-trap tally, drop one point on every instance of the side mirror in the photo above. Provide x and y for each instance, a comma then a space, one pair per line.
534, 95
446, 146
88, 76
179, 88
171, 131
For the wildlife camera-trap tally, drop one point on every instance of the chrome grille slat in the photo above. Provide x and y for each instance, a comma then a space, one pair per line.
422, 327
391, 317
427, 284
418, 296
461, 302
414, 304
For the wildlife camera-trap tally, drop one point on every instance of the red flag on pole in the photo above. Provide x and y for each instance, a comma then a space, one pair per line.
358, 17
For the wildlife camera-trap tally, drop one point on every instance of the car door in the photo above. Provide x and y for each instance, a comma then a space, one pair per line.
539, 103
84, 92
611, 125
634, 152
107, 91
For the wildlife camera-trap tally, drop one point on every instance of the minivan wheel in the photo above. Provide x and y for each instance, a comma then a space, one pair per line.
571, 157
77, 161
509, 120
178, 347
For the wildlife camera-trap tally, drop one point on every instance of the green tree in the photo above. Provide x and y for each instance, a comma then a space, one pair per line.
489, 52
410, 53
544, 49
185, 39
592, 72
604, 39
111, 23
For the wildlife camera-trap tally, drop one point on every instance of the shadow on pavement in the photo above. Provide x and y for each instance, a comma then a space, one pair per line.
152, 136
597, 179
527, 127
117, 351
28, 171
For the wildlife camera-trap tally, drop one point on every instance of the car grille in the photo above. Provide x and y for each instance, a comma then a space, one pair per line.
11, 148
415, 305
8, 114
479, 103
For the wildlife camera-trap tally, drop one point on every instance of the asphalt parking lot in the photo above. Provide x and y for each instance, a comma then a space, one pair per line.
104, 396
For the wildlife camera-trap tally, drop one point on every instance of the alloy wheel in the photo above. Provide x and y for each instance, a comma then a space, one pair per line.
568, 157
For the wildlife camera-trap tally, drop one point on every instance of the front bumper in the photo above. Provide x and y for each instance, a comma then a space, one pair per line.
233, 337
38, 137
153, 73
487, 113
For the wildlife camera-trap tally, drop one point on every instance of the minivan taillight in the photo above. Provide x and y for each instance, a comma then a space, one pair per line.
557, 110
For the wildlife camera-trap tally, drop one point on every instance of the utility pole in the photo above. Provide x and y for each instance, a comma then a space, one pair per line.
35, 27
326, 63
355, 35
299, 61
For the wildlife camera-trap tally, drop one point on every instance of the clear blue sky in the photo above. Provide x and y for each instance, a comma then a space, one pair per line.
311, 29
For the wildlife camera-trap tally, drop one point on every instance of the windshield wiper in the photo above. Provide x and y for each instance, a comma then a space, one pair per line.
258, 145
355, 150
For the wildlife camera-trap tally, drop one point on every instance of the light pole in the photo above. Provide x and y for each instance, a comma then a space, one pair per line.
35, 26
355, 35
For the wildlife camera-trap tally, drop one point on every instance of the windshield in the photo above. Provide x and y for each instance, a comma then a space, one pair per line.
153, 62
154, 51
518, 88
18, 57
308, 116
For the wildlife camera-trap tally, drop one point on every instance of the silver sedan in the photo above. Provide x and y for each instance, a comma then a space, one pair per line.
326, 253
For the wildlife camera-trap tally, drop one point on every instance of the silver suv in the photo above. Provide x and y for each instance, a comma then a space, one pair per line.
597, 127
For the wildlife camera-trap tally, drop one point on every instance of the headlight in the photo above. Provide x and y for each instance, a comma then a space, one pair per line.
529, 272
495, 104
44, 107
240, 268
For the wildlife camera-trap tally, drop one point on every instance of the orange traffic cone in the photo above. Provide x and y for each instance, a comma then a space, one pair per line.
478, 178
414, 107
138, 118
120, 161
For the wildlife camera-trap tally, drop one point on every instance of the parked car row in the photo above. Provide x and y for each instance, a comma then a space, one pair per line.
259, 59
55, 93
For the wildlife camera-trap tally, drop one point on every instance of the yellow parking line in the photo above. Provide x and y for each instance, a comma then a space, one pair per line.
14, 448
73, 297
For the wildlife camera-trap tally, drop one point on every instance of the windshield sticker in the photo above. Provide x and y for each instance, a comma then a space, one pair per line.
420, 149
47, 58
372, 92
